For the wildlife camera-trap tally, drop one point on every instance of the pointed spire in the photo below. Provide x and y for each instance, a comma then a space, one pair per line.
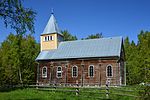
51, 26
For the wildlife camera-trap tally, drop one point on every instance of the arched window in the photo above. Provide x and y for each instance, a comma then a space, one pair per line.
45, 38
74, 71
109, 71
91, 71
51, 38
44, 72
59, 72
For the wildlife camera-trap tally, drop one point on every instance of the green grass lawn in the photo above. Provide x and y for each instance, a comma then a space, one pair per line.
34, 94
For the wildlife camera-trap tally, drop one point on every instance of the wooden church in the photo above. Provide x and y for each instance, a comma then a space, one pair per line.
91, 62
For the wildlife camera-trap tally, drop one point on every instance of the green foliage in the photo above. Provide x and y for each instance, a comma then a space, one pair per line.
138, 59
67, 36
19, 18
16, 60
94, 36
144, 93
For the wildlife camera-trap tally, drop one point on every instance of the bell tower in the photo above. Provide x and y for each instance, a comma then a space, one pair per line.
51, 36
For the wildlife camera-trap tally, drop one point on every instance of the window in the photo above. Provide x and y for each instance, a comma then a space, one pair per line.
48, 38
59, 72
74, 71
44, 72
109, 71
91, 71
45, 38
51, 37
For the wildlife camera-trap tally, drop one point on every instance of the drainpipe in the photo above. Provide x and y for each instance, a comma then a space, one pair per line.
37, 77
99, 74
125, 73
66, 73
119, 74
51, 72
82, 66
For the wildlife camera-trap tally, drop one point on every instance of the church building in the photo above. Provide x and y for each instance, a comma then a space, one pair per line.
91, 62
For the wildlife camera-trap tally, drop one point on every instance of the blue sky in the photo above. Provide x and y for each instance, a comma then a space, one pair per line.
85, 17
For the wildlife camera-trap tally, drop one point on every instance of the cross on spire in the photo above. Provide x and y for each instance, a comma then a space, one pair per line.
52, 11
51, 26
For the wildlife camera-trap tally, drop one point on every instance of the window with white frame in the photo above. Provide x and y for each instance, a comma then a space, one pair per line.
48, 38
74, 71
59, 72
91, 70
51, 38
109, 71
44, 72
45, 38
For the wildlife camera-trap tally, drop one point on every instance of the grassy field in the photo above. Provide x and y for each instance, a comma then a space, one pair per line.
33, 94
94, 94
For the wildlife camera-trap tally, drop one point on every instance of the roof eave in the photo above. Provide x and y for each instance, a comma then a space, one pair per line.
51, 33
105, 57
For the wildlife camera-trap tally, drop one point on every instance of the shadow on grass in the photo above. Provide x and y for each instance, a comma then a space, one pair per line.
8, 88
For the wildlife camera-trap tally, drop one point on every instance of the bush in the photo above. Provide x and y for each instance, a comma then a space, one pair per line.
144, 93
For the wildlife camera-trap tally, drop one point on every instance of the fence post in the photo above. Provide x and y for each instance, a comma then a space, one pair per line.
55, 86
107, 90
37, 85
77, 90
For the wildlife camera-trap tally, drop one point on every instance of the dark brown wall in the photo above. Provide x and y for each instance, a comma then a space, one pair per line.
99, 72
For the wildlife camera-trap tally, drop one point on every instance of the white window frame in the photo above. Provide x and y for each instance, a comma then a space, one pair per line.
111, 70
59, 72
44, 75
48, 38
89, 71
51, 38
76, 73
45, 38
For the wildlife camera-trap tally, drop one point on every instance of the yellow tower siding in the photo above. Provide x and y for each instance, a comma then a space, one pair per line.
48, 45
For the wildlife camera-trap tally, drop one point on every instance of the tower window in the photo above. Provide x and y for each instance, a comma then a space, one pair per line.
91, 71
51, 38
59, 72
44, 72
109, 71
48, 38
74, 71
45, 38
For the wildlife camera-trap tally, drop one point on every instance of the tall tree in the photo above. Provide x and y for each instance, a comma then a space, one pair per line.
19, 18
144, 54
137, 59
94, 36
29, 49
67, 36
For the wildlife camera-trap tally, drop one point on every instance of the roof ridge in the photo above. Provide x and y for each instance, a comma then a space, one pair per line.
92, 39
